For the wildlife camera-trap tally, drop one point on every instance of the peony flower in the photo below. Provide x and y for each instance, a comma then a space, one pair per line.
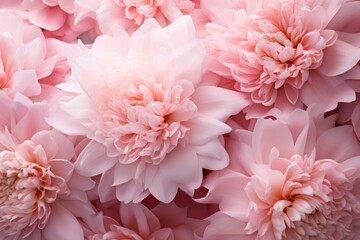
137, 222
141, 102
296, 177
38, 186
130, 14
285, 53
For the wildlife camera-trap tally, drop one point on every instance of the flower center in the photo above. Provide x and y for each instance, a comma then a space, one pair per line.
26, 189
145, 119
304, 199
271, 46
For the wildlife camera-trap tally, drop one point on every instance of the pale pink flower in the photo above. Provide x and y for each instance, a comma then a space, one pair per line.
140, 100
38, 185
130, 14
285, 52
296, 177
28, 62
136, 222
65, 20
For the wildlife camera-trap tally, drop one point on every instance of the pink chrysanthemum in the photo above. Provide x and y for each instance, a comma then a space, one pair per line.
292, 178
284, 52
140, 100
37, 178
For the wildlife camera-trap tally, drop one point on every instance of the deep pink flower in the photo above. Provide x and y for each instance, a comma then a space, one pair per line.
38, 185
140, 100
285, 52
296, 177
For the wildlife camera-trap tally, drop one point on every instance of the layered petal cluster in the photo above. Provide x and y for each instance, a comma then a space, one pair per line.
296, 177
65, 20
37, 178
141, 102
28, 61
131, 14
285, 52
137, 222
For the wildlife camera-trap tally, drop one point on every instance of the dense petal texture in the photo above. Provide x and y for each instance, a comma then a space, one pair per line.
65, 20
298, 186
35, 173
282, 52
141, 102
137, 222
131, 14
179, 119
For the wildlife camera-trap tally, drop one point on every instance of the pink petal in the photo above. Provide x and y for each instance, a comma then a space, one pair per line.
227, 188
184, 160
212, 155
105, 189
25, 82
65, 122
162, 189
93, 160
44, 139
124, 172
33, 53
338, 143
61, 219
218, 103
44, 18
203, 129
131, 192
320, 90
138, 218
109, 14
339, 58
223, 226
345, 17
269, 134
62, 168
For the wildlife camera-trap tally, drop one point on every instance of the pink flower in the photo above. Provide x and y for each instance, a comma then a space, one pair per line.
61, 19
285, 52
296, 177
136, 222
130, 14
28, 61
37, 178
140, 100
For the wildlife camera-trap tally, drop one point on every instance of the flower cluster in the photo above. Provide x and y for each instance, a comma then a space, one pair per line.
179, 119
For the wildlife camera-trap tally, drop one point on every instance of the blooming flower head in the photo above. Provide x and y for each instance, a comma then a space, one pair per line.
287, 180
132, 13
137, 222
140, 100
36, 175
283, 52
28, 61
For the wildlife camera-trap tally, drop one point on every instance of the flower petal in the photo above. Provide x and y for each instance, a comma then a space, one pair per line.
218, 103
93, 160
59, 220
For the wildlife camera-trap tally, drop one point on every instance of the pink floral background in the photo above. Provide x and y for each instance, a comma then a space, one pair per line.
179, 119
